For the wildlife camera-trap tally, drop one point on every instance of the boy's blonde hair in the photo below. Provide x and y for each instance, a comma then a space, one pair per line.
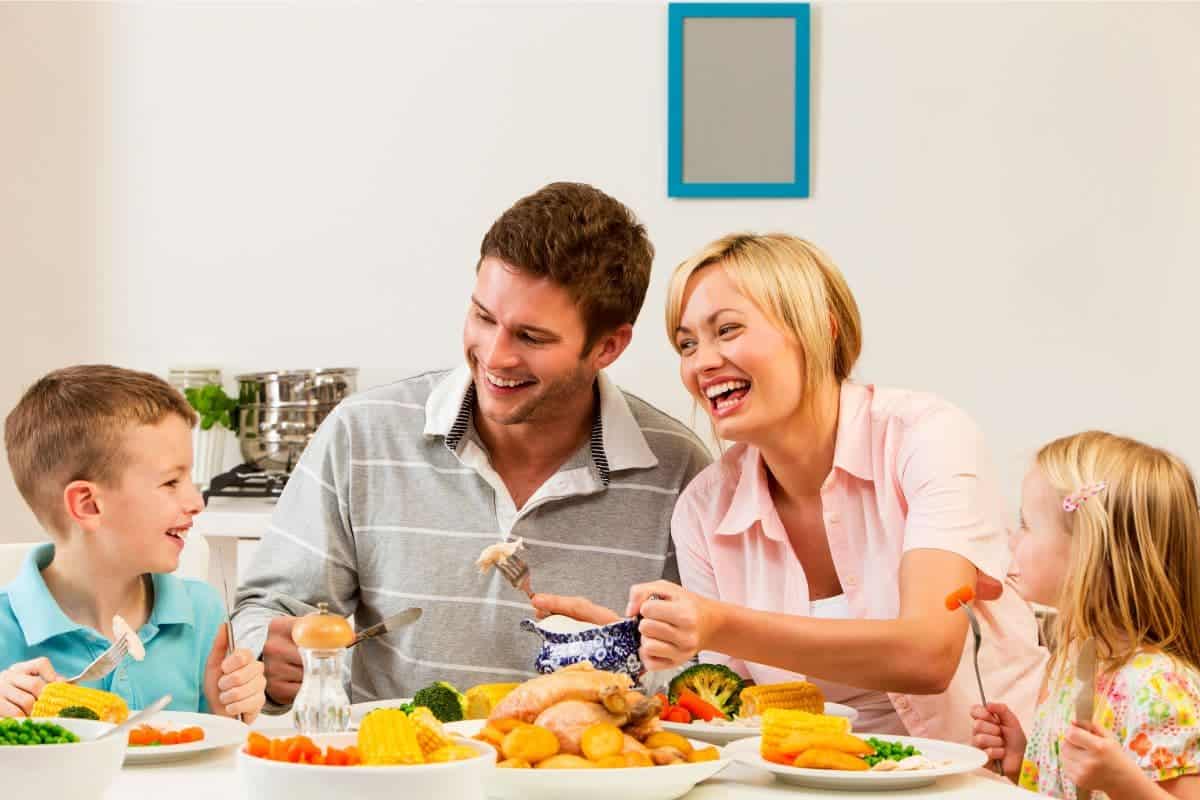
797, 287
1134, 574
68, 427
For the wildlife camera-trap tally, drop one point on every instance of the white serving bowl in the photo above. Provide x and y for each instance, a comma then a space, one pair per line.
277, 780
81, 770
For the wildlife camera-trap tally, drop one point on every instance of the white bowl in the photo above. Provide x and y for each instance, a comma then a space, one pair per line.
81, 770
276, 780
628, 783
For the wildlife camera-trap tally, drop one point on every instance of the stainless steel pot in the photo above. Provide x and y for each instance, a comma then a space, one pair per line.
278, 412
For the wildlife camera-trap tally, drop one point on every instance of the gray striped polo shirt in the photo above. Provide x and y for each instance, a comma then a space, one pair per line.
394, 499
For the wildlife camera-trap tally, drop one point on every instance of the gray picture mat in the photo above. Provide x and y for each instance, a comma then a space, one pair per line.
739, 100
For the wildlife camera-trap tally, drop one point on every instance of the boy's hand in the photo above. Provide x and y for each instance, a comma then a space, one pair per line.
1092, 759
21, 684
233, 684
997, 732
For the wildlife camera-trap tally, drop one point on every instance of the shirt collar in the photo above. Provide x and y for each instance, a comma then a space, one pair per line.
41, 618
752, 501
616, 442
852, 450
35, 608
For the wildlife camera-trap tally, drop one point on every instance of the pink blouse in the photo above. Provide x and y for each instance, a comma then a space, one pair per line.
909, 472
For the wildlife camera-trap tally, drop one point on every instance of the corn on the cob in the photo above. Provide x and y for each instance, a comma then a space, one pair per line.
388, 736
779, 723
57, 696
483, 698
797, 696
430, 733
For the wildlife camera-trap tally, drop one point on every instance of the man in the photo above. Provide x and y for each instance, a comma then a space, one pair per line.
404, 485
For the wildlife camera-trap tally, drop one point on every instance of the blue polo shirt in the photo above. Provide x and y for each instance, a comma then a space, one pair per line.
178, 637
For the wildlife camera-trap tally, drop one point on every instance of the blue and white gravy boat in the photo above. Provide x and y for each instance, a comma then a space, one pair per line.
565, 641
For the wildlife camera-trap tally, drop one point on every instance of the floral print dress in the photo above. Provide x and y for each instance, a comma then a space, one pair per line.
1151, 704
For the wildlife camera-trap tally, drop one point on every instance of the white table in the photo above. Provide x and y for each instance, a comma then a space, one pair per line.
214, 775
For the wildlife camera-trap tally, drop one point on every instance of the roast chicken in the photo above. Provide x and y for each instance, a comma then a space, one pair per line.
570, 700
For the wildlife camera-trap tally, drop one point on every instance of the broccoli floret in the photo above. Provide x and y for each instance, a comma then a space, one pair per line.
78, 712
447, 703
716, 684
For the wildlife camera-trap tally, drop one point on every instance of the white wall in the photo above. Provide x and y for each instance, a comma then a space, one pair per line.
1012, 190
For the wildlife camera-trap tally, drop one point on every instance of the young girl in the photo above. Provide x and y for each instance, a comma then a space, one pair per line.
1110, 535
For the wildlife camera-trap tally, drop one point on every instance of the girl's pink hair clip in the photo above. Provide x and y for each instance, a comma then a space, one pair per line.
1074, 501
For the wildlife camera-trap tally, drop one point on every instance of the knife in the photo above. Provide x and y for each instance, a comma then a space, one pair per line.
405, 617
1085, 676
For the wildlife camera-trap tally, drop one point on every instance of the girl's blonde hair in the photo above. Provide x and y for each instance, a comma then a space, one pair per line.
1134, 573
797, 287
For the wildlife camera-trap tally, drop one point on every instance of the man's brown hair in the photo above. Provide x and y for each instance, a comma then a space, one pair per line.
68, 427
585, 241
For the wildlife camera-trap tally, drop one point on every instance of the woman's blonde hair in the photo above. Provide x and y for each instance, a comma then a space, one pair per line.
796, 286
1134, 574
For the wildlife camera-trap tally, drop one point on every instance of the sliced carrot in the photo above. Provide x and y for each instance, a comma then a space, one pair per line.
698, 707
959, 597
679, 714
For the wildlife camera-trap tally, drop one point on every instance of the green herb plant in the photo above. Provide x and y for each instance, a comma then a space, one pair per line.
213, 405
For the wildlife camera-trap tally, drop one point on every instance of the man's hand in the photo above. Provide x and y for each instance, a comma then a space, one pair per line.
281, 658
21, 684
579, 608
233, 683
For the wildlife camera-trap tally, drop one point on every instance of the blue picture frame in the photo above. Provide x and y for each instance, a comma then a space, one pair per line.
678, 12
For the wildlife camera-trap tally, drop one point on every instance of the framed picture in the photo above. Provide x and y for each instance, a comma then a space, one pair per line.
738, 100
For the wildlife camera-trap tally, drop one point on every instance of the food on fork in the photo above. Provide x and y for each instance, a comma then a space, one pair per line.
57, 696
483, 698
495, 554
715, 684
121, 629
793, 695
959, 597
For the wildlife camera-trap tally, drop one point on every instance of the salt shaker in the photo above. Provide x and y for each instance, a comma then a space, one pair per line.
321, 705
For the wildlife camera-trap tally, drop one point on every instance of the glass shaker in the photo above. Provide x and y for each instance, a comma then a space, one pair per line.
321, 705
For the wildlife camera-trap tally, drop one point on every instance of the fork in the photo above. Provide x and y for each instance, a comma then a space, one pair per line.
974, 622
516, 572
105, 663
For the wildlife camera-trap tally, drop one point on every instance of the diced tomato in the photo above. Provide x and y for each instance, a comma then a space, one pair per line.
336, 758
698, 707
352, 756
277, 750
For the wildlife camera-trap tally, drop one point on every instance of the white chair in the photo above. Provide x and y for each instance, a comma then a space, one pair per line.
12, 556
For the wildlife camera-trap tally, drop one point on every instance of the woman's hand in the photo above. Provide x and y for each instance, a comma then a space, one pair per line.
676, 624
997, 732
21, 684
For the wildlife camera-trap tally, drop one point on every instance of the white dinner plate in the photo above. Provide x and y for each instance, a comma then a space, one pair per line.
628, 783
218, 732
724, 733
960, 757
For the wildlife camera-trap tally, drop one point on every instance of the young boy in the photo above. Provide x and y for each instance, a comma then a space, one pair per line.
103, 457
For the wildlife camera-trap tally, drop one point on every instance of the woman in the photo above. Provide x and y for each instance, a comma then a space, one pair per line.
825, 541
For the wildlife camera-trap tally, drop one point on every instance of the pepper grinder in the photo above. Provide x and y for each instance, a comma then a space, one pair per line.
321, 705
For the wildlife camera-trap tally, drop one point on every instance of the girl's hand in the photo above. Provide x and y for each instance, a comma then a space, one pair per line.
21, 684
997, 732
1093, 760
235, 683
675, 625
